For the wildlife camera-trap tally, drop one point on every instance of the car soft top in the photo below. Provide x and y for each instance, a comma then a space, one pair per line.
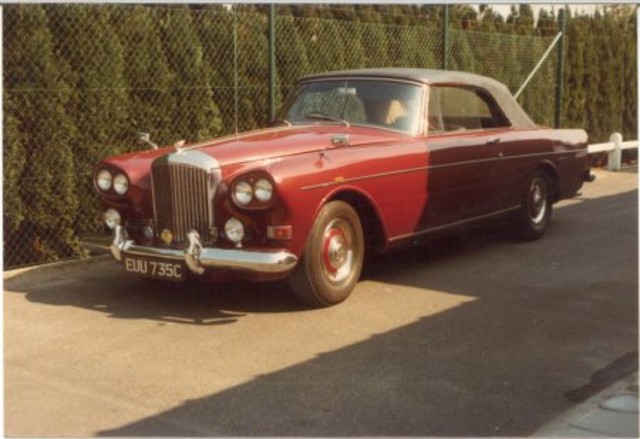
512, 110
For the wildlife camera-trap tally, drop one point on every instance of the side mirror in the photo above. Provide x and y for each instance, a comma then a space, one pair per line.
146, 138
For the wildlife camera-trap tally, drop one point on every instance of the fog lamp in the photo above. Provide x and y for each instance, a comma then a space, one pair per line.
234, 230
112, 218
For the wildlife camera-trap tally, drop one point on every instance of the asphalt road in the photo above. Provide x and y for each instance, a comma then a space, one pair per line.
473, 335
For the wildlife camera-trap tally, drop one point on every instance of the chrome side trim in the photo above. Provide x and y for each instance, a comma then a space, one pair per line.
364, 177
198, 258
427, 168
455, 224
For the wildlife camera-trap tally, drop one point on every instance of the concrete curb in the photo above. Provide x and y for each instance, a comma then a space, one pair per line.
54, 267
612, 412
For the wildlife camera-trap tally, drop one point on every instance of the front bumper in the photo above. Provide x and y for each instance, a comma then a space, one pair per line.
197, 257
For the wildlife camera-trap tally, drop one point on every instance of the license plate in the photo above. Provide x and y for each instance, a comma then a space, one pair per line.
155, 268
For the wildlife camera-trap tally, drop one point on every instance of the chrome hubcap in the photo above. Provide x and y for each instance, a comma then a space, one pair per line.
537, 202
337, 251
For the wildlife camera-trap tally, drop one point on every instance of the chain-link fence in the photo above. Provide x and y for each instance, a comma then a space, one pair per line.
80, 81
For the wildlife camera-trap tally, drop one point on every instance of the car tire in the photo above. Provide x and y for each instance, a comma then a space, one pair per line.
332, 261
534, 215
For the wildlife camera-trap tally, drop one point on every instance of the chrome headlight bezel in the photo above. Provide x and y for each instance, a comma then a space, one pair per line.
243, 193
263, 190
253, 191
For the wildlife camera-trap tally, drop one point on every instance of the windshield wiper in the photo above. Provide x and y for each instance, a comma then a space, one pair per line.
322, 116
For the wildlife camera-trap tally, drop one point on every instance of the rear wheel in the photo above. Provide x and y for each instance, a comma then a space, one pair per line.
332, 260
535, 213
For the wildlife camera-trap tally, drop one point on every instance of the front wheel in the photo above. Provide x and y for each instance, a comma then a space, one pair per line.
534, 216
332, 260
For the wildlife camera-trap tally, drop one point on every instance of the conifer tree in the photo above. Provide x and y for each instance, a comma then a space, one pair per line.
216, 29
630, 78
146, 72
323, 41
490, 20
575, 97
291, 56
375, 43
253, 71
14, 162
48, 185
610, 95
410, 48
196, 116
521, 19
350, 37
462, 57
602, 88
90, 46
462, 17
93, 65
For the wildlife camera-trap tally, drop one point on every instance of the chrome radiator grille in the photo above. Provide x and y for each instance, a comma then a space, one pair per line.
182, 198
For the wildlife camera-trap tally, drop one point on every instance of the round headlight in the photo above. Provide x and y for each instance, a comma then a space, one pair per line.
234, 230
104, 180
120, 184
263, 190
112, 218
243, 193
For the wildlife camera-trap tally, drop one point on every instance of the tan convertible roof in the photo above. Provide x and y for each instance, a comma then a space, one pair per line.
499, 91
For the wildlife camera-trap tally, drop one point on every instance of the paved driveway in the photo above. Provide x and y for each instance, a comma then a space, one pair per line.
471, 335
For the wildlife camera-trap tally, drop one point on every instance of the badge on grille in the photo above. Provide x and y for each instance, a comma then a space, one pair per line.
166, 236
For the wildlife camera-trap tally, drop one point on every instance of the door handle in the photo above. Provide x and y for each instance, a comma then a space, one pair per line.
493, 140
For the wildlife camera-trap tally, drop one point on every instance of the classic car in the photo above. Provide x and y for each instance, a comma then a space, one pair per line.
356, 163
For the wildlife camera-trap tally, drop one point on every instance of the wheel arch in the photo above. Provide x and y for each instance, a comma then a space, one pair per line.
549, 169
373, 227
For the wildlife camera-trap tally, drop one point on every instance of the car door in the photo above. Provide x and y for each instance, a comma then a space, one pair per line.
463, 138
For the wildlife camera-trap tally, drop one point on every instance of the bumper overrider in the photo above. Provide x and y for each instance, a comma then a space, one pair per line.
196, 257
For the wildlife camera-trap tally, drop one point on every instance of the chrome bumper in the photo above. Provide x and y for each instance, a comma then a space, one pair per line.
195, 256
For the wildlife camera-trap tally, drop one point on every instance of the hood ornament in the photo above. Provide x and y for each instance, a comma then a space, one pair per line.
179, 145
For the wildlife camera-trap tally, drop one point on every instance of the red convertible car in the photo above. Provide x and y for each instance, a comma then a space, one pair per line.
359, 161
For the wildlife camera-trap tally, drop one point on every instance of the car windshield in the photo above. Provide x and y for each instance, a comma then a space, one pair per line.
385, 104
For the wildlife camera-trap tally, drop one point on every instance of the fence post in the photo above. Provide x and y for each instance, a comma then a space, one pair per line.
235, 67
562, 27
445, 38
272, 61
614, 161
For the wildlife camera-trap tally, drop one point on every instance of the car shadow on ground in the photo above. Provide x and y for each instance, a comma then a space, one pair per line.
547, 317
104, 287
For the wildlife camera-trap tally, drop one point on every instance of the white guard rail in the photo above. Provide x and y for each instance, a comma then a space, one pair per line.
614, 147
